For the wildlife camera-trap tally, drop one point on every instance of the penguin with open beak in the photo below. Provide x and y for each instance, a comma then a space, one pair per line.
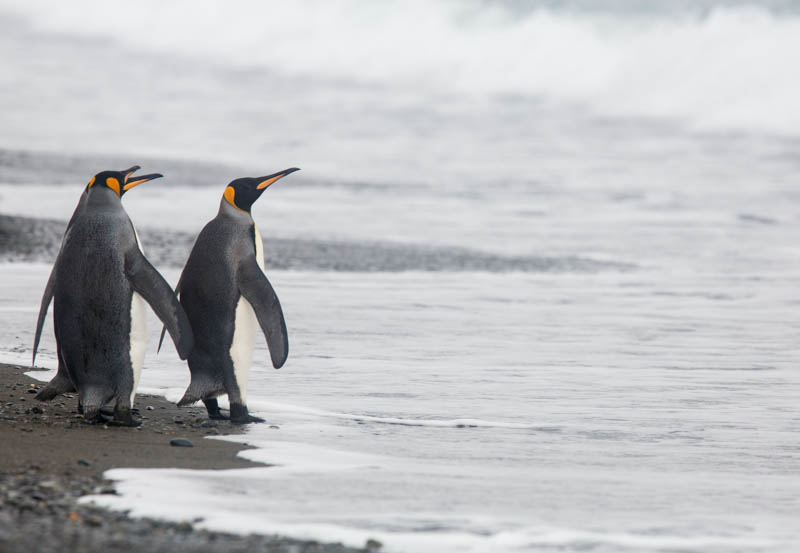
99, 285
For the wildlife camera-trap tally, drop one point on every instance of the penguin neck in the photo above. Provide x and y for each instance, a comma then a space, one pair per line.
101, 197
227, 210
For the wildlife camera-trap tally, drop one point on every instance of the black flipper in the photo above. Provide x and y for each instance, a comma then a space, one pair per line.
164, 328
157, 292
47, 297
256, 289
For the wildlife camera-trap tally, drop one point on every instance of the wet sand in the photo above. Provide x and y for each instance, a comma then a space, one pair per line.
51, 457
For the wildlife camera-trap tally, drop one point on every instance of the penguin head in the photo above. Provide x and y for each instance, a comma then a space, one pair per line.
120, 181
242, 193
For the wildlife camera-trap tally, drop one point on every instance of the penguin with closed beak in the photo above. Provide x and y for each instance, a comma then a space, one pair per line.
226, 297
99, 285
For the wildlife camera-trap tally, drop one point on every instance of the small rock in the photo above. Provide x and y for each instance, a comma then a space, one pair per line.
149, 407
84, 462
178, 421
373, 544
274, 426
208, 424
93, 521
180, 442
36, 409
31, 391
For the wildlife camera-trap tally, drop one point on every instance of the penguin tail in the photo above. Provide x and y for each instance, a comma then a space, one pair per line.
199, 388
188, 399
92, 399
59, 385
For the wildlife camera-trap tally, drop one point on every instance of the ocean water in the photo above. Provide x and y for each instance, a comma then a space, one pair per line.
550, 290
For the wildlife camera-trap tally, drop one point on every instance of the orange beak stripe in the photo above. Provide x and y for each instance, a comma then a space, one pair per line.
133, 183
264, 184
131, 171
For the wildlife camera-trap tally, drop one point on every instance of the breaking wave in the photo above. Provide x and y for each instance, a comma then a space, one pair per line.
716, 65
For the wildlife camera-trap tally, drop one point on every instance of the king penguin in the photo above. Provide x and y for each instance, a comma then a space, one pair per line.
99, 285
61, 384
226, 294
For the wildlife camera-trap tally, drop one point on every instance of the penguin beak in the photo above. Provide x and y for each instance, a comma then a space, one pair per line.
269, 179
129, 172
139, 180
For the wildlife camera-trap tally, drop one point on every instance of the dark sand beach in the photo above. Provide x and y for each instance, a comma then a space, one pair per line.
51, 457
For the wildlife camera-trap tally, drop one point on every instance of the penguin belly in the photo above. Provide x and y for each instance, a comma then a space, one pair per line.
244, 339
138, 338
245, 327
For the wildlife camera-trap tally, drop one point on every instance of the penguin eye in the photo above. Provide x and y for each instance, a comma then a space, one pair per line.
91, 182
113, 184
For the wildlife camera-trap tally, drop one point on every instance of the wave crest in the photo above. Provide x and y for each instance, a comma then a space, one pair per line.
730, 68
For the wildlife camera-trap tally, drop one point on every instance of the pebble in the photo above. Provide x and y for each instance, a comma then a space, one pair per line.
84, 463
180, 442
93, 521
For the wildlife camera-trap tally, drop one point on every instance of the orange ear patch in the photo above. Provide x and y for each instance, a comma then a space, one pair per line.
229, 195
91, 182
113, 184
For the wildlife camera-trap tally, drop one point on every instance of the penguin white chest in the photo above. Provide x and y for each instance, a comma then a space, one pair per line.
244, 331
138, 337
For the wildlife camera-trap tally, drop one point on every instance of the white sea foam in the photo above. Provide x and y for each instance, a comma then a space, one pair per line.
729, 68
282, 408
183, 496
662, 444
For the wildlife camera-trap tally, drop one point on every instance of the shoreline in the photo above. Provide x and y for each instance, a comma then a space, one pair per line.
52, 457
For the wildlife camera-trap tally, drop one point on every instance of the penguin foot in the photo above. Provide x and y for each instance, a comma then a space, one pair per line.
239, 415
246, 419
130, 423
124, 417
94, 418
214, 412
